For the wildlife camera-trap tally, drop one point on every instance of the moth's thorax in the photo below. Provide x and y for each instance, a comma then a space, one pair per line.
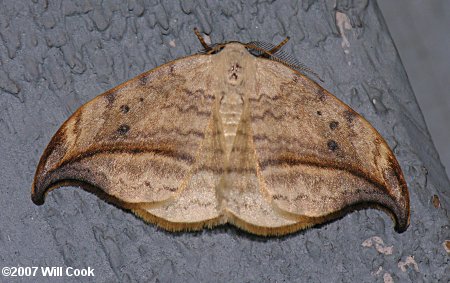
235, 78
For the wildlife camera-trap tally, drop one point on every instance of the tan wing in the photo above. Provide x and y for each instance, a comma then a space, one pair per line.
317, 157
138, 143
197, 205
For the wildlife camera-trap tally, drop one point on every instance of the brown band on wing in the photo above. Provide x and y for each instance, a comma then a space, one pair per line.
336, 166
177, 155
65, 171
315, 153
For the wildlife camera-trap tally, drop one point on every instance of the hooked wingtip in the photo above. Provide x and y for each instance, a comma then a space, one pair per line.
44, 176
38, 199
38, 190
401, 226
402, 221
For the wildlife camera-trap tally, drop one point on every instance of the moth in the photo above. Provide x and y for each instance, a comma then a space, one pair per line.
235, 134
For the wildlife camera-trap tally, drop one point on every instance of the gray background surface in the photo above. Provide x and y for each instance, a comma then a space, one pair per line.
421, 32
56, 56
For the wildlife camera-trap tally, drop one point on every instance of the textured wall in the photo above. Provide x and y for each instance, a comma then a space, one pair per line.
420, 32
55, 56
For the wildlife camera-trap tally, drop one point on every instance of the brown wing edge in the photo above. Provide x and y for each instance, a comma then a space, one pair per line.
136, 208
47, 180
401, 214
303, 222
44, 181
397, 208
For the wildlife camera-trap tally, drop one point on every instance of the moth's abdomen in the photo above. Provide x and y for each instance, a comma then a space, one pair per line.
234, 79
230, 111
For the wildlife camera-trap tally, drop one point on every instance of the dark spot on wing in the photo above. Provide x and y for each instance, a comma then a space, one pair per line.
349, 115
124, 108
141, 99
321, 94
110, 97
123, 129
332, 145
279, 197
143, 80
170, 189
334, 125
319, 113
188, 92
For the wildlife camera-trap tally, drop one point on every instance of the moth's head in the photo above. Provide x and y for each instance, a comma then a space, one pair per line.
257, 49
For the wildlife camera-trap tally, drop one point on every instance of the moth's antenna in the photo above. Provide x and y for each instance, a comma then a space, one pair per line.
282, 58
278, 47
202, 40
